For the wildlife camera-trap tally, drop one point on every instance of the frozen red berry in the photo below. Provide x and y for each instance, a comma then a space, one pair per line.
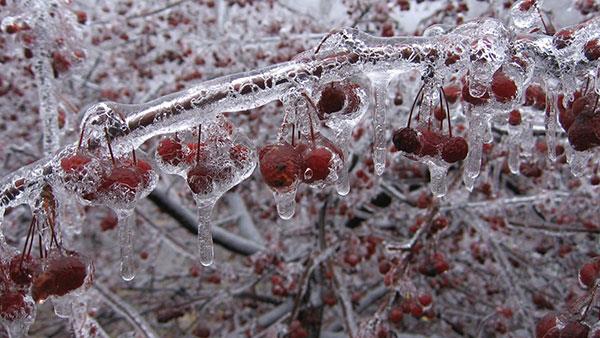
547, 327
23, 269
74, 163
574, 329
280, 165
514, 117
335, 97
591, 50
62, 275
503, 87
455, 149
170, 151
13, 306
582, 134
316, 164
407, 140
589, 273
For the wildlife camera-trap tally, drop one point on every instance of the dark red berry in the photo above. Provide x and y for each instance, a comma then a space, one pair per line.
407, 140
503, 87
170, 151
62, 275
591, 50
455, 149
431, 141
13, 305
574, 329
24, 269
396, 315
547, 327
280, 165
74, 163
334, 97
514, 117
316, 164
589, 273
582, 134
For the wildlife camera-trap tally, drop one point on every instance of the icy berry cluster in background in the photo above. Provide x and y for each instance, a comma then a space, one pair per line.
431, 169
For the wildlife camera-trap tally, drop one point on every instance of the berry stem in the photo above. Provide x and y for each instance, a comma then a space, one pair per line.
112, 156
81, 137
198, 144
27, 240
134, 157
293, 132
413, 105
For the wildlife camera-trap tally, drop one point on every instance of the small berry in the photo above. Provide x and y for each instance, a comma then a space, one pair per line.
425, 299
514, 117
591, 50
407, 140
22, 271
384, 266
589, 273
316, 164
279, 165
170, 151
74, 163
503, 87
455, 149
62, 275
547, 327
574, 329
396, 315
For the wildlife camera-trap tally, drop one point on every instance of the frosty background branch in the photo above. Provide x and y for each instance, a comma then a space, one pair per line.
432, 168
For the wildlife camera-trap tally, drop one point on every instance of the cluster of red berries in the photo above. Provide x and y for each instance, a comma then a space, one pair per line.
115, 182
23, 275
434, 265
555, 326
284, 165
581, 120
415, 306
425, 141
211, 165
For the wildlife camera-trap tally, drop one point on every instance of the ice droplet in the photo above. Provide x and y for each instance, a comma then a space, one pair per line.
126, 225
205, 240
343, 183
578, 161
308, 174
286, 203
437, 174
469, 182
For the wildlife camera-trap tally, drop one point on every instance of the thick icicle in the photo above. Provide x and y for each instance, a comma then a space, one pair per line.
205, 241
551, 124
126, 228
473, 161
437, 174
380, 82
